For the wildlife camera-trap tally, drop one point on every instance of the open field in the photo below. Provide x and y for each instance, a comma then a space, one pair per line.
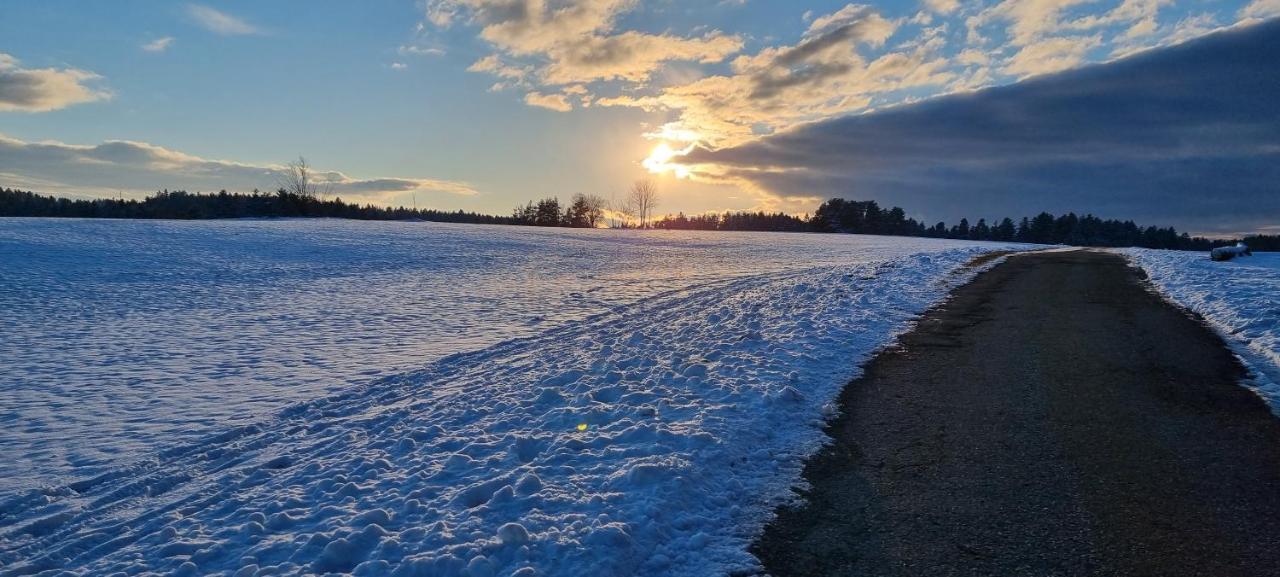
321, 394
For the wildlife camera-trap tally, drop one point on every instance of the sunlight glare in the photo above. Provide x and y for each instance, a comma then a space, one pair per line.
660, 160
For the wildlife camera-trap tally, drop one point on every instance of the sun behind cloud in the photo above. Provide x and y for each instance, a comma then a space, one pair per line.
660, 160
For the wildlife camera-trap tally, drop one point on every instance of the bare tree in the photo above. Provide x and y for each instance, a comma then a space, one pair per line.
641, 201
299, 179
614, 213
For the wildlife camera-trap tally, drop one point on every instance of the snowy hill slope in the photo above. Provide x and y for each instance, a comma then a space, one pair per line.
121, 338
654, 440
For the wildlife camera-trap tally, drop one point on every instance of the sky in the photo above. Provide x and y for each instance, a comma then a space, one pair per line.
948, 108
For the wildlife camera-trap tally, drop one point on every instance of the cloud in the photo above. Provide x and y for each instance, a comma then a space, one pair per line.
1048, 25
1187, 135
140, 167
827, 53
942, 6
1051, 55
852, 60
829, 72
631, 56
220, 22
415, 50
576, 41
45, 89
495, 66
158, 45
1027, 20
1168, 34
1260, 9
557, 102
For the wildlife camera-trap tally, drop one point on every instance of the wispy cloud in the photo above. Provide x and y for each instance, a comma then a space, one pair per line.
143, 167
416, 50
159, 44
45, 89
220, 22
1259, 9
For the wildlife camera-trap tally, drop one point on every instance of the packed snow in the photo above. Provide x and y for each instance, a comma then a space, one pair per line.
296, 397
1240, 298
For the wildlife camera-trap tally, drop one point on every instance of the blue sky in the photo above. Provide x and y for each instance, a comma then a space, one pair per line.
482, 104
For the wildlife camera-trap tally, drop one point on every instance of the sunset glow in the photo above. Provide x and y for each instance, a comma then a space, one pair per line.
660, 160
476, 105
640, 288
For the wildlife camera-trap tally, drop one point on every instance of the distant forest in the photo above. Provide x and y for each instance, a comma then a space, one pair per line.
866, 217
183, 205
585, 211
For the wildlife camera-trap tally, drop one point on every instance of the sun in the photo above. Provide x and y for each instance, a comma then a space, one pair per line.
660, 160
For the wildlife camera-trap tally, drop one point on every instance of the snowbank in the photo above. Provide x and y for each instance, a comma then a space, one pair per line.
1239, 298
654, 440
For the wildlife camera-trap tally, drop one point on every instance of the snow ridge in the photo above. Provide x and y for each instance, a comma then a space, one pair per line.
651, 441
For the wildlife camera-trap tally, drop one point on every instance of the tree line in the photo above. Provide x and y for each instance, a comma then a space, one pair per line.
592, 211
867, 217
184, 205
589, 211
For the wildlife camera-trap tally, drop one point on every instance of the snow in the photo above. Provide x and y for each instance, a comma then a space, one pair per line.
1239, 298
294, 397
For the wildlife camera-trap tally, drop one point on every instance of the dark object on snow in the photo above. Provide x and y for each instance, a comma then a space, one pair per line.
1229, 252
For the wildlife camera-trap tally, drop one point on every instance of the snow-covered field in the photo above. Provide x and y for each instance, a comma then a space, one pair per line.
1240, 298
291, 397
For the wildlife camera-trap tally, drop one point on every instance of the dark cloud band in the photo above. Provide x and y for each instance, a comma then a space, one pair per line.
1188, 135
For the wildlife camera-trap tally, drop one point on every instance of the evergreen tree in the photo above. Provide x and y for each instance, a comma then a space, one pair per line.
1005, 231
547, 212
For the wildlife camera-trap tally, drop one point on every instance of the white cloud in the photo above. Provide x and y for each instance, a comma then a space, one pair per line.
826, 74
159, 44
495, 66
631, 56
220, 22
415, 50
1051, 55
1190, 27
45, 89
1139, 15
575, 41
1260, 9
972, 57
141, 167
1028, 20
942, 6
557, 102
862, 21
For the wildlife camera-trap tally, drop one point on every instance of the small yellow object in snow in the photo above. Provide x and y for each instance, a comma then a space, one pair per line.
582, 426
